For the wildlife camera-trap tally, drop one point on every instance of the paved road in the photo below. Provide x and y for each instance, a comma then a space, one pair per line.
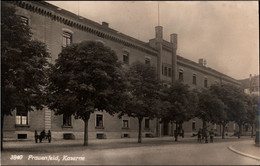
167, 153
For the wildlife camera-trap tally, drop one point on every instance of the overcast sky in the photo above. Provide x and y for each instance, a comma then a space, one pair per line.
224, 33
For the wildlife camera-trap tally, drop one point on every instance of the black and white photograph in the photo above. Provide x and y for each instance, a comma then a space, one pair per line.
130, 83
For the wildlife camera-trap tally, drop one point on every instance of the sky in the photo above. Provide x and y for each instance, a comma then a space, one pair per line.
225, 33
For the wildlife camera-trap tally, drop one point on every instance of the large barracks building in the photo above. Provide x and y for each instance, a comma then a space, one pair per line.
59, 28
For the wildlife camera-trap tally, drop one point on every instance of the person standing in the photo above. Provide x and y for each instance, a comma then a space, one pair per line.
199, 135
176, 135
206, 135
211, 135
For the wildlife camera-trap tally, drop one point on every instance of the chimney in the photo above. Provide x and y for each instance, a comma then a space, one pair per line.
201, 61
174, 40
204, 62
159, 32
105, 24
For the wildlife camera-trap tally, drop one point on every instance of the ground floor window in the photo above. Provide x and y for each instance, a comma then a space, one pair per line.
99, 121
215, 126
246, 127
234, 126
147, 123
193, 125
125, 124
21, 117
67, 120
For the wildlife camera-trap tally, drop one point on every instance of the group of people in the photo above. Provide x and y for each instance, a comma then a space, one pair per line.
203, 134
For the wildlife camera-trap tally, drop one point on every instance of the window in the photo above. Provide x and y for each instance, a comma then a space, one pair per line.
169, 72
125, 135
165, 85
66, 39
21, 136
194, 79
99, 121
162, 70
147, 123
246, 127
193, 125
25, 20
21, 117
126, 58
205, 82
147, 61
67, 120
125, 124
165, 71
181, 75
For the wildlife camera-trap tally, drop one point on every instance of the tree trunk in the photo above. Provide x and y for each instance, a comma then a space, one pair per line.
223, 131
240, 130
2, 127
86, 129
181, 130
157, 127
252, 131
172, 129
176, 133
140, 130
220, 129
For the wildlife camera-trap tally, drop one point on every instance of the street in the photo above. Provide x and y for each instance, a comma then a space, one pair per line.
127, 152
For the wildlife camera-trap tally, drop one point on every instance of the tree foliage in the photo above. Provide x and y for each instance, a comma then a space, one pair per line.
179, 103
143, 89
86, 77
234, 99
24, 66
211, 108
252, 111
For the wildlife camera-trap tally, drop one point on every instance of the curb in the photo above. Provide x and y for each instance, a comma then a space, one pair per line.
243, 154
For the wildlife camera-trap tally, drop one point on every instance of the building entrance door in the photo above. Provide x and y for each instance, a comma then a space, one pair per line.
165, 128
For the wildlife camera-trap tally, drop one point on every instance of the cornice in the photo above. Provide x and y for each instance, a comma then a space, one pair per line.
206, 70
82, 24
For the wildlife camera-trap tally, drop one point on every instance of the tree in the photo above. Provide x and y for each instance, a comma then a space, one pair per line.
143, 90
234, 99
211, 109
179, 104
86, 77
24, 66
252, 111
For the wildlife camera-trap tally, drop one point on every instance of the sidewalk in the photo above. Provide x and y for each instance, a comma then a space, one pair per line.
246, 148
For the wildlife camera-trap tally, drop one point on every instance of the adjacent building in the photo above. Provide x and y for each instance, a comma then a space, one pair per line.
59, 28
251, 85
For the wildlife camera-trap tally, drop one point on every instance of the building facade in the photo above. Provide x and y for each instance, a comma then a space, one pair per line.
59, 28
251, 85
